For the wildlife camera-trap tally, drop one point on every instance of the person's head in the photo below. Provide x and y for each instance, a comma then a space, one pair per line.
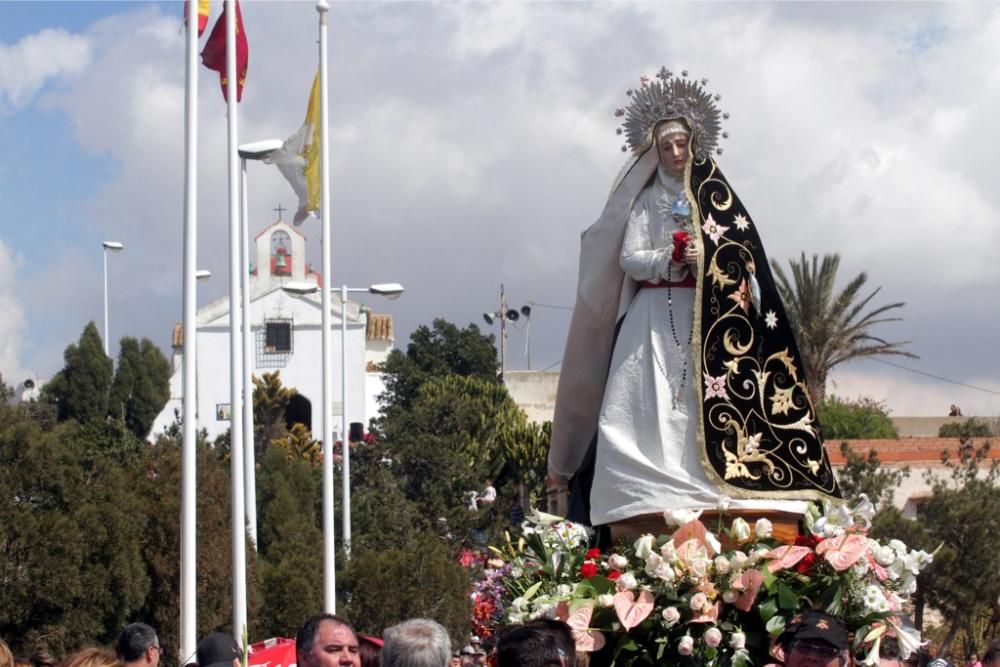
6, 657
91, 657
218, 650
327, 640
418, 642
530, 646
42, 658
992, 656
673, 142
138, 643
815, 639
369, 650
456, 660
973, 657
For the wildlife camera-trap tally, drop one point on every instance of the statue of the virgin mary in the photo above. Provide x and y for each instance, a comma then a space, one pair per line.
681, 386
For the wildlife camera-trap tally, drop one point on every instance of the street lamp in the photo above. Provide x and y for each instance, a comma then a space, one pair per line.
389, 291
257, 150
202, 274
113, 246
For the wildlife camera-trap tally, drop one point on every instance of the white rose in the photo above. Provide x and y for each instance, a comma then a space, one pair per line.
617, 562
712, 637
758, 553
627, 581
763, 528
669, 551
665, 571
740, 530
738, 641
722, 565
605, 600
724, 503
686, 645
729, 597
698, 602
671, 615
680, 517
564, 590
519, 605
644, 546
653, 561
738, 560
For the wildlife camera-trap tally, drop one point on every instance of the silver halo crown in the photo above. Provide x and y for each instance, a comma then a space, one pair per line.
667, 96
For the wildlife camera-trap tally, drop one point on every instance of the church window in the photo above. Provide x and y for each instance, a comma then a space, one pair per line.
278, 336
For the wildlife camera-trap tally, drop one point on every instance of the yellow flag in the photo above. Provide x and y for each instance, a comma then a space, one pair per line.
299, 161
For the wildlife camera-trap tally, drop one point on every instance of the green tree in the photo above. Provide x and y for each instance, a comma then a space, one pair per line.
963, 513
270, 404
865, 474
71, 562
970, 428
141, 386
860, 419
436, 351
831, 328
425, 582
80, 389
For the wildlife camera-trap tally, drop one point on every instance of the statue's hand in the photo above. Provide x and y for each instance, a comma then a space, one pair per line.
691, 255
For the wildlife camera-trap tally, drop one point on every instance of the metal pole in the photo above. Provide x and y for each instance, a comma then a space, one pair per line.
503, 333
249, 453
345, 510
106, 353
235, 356
329, 554
188, 603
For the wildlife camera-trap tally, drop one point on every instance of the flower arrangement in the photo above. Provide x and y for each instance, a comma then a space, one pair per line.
681, 598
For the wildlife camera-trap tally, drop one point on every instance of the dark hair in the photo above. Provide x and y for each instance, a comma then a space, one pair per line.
42, 658
369, 651
992, 655
306, 636
134, 640
561, 632
528, 646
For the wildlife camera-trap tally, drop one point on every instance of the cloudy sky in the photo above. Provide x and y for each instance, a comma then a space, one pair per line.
472, 142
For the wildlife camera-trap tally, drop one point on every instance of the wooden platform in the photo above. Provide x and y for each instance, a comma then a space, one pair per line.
786, 525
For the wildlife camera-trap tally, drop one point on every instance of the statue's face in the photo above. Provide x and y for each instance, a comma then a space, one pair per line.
673, 149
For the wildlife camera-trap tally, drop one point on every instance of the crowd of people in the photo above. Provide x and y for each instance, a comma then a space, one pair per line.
813, 639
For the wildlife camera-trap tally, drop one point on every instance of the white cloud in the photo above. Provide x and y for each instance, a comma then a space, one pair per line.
27, 65
13, 324
473, 142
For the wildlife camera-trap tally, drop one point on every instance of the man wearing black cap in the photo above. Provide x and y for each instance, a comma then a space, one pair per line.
218, 650
815, 639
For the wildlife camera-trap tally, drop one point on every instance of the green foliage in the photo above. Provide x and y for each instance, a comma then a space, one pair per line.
141, 386
831, 328
385, 587
270, 402
441, 350
861, 419
290, 544
865, 474
970, 428
80, 389
963, 513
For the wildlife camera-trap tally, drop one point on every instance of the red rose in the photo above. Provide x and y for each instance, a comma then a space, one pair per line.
806, 564
592, 554
588, 570
614, 574
681, 240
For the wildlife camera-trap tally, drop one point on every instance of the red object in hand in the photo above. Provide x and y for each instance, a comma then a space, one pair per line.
681, 240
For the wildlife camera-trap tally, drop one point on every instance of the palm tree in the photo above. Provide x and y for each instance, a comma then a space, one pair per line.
831, 328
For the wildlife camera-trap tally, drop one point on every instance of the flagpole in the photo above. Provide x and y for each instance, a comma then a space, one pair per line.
235, 352
329, 554
188, 602
249, 453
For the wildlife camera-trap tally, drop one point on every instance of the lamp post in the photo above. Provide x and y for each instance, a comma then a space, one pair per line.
258, 150
390, 291
113, 246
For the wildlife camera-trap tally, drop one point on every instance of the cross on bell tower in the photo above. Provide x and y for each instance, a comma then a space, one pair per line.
279, 210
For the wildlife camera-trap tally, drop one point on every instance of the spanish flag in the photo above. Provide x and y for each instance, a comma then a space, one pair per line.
298, 159
214, 54
202, 15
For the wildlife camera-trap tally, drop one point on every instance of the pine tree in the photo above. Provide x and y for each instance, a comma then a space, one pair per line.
80, 389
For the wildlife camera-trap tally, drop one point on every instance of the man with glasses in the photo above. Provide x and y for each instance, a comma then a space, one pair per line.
138, 646
815, 639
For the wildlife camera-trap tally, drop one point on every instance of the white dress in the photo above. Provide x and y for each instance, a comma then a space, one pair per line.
647, 453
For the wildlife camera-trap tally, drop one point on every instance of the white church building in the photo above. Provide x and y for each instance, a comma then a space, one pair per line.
286, 336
